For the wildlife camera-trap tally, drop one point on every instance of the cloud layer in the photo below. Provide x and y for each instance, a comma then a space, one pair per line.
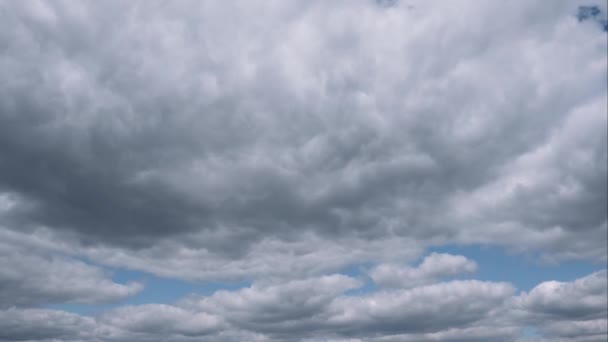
283, 143
461, 310
38, 276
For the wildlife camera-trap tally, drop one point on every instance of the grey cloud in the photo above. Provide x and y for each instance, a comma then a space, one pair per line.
318, 307
158, 319
291, 309
576, 310
455, 304
44, 325
304, 255
553, 187
590, 330
34, 276
321, 308
584, 298
124, 325
476, 334
127, 124
280, 142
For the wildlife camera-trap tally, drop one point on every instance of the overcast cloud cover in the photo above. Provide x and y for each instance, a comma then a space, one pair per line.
313, 156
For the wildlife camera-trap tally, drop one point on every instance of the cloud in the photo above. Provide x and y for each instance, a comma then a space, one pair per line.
590, 330
158, 319
455, 304
432, 268
302, 256
317, 307
558, 182
585, 297
31, 277
44, 325
166, 125
477, 334
283, 142
574, 310
290, 309
321, 307
310, 308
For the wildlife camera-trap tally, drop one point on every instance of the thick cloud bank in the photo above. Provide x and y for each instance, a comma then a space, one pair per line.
280, 143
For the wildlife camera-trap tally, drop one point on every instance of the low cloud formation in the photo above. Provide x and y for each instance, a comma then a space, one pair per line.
318, 308
30, 277
45, 325
297, 310
431, 269
324, 307
577, 310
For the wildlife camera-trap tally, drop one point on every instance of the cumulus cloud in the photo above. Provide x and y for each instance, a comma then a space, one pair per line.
34, 277
455, 304
322, 308
575, 310
585, 297
127, 123
432, 268
295, 310
317, 307
44, 325
558, 187
158, 319
303, 255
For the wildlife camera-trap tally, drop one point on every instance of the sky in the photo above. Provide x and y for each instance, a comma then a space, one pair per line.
315, 171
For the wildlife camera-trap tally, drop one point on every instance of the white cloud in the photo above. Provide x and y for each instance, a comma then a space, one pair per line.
576, 310
583, 298
432, 268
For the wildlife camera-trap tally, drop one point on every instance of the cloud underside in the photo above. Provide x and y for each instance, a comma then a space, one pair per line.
281, 142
